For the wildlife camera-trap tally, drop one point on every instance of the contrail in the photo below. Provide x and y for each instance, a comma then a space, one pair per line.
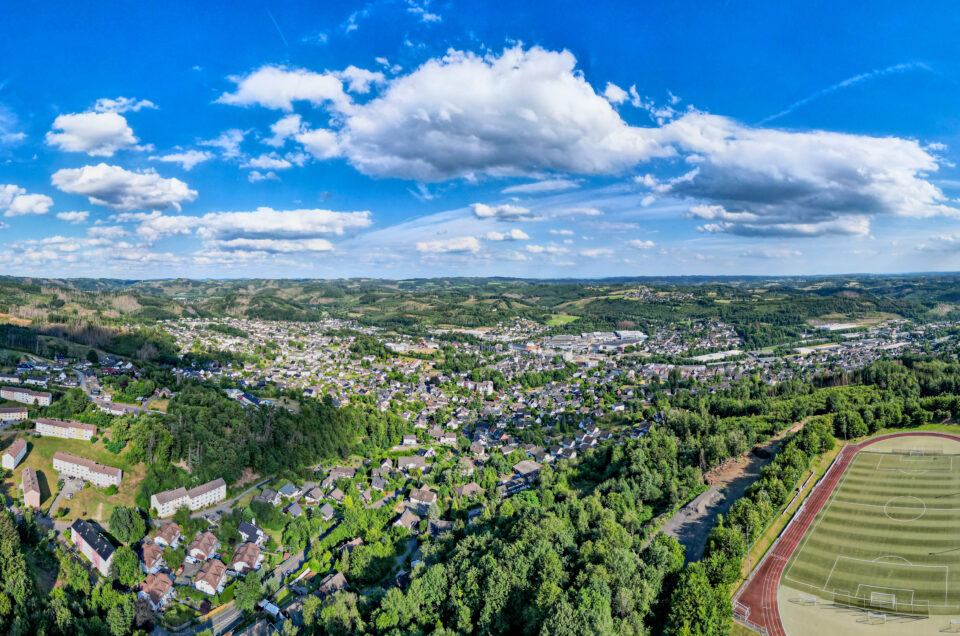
285, 43
856, 79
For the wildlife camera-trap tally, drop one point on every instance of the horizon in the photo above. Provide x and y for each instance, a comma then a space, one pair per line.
429, 139
607, 279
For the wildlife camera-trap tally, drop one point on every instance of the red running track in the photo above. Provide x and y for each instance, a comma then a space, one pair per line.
759, 594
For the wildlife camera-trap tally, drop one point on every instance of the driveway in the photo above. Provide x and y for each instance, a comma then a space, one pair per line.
69, 489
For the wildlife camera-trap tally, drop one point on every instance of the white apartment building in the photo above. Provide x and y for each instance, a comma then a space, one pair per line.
169, 501
14, 453
72, 466
25, 396
14, 414
65, 430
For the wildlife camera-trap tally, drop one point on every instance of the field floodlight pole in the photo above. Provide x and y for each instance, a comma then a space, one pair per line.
749, 569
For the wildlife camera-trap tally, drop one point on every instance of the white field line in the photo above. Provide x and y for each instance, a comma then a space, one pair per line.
866, 505
946, 570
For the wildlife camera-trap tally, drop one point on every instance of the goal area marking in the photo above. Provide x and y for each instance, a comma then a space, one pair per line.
886, 565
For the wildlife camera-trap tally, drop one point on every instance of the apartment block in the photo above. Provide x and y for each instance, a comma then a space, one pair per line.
65, 430
169, 501
72, 466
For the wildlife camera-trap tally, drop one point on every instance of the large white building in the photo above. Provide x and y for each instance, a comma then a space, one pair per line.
14, 413
169, 501
14, 453
72, 466
25, 396
64, 429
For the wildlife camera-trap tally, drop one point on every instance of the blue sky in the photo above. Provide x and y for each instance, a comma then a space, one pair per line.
545, 139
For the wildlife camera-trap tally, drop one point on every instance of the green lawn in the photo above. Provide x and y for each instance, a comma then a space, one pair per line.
559, 320
89, 502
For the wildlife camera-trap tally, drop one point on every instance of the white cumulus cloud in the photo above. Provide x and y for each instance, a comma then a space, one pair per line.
124, 190
73, 217
97, 134
279, 87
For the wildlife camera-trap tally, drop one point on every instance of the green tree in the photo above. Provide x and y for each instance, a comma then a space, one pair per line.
249, 591
698, 608
125, 567
340, 614
127, 525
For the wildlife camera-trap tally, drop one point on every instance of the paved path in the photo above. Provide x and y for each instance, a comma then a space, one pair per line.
758, 596
691, 525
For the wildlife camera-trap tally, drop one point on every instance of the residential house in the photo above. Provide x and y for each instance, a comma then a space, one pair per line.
327, 512
294, 510
331, 583
436, 527
251, 533
289, 491
168, 536
423, 496
468, 490
211, 577
270, 496
337, 495
409, 440
157, 589
247, 557
14, 454
92, 545
407, 520
152, 561
528, 469
314, 496
378, 483
203, 547
412, 462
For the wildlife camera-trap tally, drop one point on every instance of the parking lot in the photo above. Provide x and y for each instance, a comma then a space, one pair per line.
68, 489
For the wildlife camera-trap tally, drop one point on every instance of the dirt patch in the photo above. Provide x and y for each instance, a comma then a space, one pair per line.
247, 477
691, 525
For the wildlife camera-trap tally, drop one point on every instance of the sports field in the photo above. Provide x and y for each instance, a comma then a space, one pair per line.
888, 538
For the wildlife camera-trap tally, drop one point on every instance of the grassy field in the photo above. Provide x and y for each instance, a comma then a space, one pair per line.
90, 503
559, 320
890, 531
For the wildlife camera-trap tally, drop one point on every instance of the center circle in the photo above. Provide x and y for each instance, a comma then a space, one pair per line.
905, 508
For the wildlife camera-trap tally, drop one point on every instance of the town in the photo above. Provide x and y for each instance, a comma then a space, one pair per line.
483, 413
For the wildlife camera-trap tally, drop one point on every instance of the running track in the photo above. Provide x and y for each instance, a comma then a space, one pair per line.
760, 592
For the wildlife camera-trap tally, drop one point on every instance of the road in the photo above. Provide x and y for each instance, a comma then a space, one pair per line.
293, 563
220, 623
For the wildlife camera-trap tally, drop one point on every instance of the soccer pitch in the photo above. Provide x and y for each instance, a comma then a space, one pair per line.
888, 537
